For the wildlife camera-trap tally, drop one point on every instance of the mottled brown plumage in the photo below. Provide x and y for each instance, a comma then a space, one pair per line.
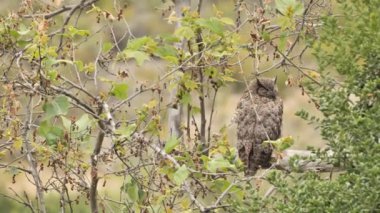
261, 99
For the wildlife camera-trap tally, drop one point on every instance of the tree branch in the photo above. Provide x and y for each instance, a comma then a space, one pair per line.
31, 160
82, 4
94, 164
104, 127
304, 164
59, 11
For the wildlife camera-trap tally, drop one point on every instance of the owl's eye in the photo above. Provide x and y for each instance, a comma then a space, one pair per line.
264, 87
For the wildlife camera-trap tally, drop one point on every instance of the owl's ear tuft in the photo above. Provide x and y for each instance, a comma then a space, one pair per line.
259, 83
275, 79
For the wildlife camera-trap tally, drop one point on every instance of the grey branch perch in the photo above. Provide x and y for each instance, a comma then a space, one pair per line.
304, 164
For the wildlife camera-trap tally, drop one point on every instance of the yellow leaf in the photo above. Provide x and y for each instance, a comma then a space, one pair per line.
151, 104
17, 143
172, 17
8, 134
3, 153
43, 39
314, 74
185, 204
227, 78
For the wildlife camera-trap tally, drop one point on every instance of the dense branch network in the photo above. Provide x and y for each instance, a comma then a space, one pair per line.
68, 102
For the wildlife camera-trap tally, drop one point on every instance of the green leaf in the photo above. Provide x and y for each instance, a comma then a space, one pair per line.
195, 110
17, 143
220, 185
190, 84
298, 9
79, 129
169, 38
49, 61
79, 65
132, 190
14, 33
185, 32
52, 75
143, 43
66, 123
185, 98
281, 5
75, 31
22, 43
180, 175
211, 72
23, 30
120, 91
166, 50
171, 144
212, 24
83, 123
171, 59
168, 53
285, 22
50, 132
289, 8
89, 68
139, 56
219, 163
282, 42
126, 131
58, 106
282, 144
226, 78
266, 36
107, 46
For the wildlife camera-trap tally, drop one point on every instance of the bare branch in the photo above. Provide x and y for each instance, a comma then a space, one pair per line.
82, 4
19, 201
80, 103
299, 69
63, 9
32, 161
304, 164
104, 127
94, 163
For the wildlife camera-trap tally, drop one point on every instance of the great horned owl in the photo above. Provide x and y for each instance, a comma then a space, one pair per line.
259, 118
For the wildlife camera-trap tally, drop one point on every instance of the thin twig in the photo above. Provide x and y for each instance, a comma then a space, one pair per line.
82, 4
211, 115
